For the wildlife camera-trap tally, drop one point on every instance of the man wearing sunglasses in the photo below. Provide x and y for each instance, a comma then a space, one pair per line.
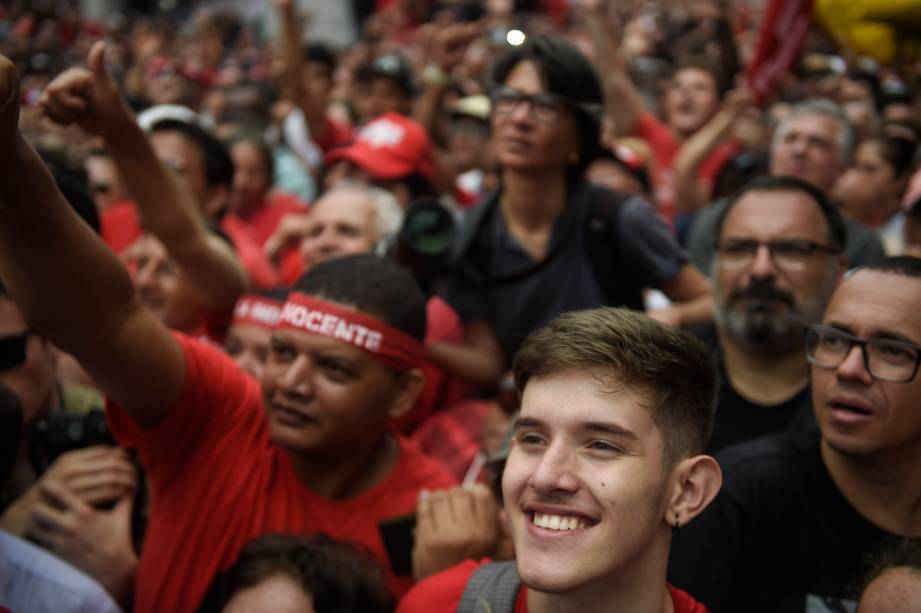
799, 514
778, 259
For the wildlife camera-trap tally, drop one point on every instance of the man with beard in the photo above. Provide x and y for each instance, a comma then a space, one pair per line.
778, 258
800, 514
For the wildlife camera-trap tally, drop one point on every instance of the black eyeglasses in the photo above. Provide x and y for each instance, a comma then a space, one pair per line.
543, 107
885, 359
789, 254
13, 350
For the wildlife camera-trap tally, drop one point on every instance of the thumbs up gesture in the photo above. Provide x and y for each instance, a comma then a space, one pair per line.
87, 97
9, 102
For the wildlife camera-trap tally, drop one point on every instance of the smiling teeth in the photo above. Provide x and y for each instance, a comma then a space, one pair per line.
558, 522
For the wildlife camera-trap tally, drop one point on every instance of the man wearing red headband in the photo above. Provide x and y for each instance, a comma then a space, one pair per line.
254, 317
226, 461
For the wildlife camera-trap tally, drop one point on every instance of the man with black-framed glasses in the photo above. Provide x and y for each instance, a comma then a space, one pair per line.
777, 261
800, 514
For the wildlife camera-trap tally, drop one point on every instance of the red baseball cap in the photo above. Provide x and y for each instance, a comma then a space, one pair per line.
391, 146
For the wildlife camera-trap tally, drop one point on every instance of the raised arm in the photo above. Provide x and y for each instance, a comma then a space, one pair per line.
90, 99
312, 102
623, 103
71, 286
690, 193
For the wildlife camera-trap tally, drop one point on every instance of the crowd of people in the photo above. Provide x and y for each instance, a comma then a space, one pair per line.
507, 306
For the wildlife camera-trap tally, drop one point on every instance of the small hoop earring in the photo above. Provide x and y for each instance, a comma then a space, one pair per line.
676, 528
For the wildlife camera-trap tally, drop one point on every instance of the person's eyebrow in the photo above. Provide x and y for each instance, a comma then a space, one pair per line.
610, 428
528, 422
882, 334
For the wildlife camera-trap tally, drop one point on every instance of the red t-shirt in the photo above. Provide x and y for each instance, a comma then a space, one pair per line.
442, 592
261, 223
217, 481
665, 147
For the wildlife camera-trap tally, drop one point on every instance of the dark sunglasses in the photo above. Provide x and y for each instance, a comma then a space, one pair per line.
13, 350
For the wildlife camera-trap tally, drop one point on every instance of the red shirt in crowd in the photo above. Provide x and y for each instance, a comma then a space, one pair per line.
442, 592
665, 147
261, 223
217, 481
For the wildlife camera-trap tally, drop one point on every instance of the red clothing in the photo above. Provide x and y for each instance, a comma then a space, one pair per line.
217, 481
120, 226
337, 135
442, 592
665, 147
261, 223
261, 272
452, 435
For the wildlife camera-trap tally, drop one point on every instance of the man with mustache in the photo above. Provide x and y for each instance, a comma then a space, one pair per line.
778, 258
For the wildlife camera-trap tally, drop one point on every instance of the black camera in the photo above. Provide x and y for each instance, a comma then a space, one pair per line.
426, 239
65, 431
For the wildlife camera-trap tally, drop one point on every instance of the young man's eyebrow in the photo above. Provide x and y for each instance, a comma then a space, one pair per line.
888, 335
603, 427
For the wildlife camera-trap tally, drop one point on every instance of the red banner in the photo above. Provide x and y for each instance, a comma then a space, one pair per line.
783, 30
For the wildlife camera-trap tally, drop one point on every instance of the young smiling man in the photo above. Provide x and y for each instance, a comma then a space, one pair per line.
227, 461
606, 462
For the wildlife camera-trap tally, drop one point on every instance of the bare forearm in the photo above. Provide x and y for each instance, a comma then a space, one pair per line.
312, 105
472, 363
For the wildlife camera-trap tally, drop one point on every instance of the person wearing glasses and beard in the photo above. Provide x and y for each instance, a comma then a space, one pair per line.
800, 513
778, 257
526, 253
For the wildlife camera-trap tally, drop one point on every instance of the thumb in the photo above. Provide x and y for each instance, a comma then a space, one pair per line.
96, 61
9, 94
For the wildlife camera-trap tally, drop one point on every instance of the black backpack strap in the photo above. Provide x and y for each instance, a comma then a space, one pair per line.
493, 588
602, 240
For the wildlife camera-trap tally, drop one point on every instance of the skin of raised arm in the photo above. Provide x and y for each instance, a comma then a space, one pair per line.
307, 98
167, 208
690, 193
623, 103
478, 358
71, 286
692, 298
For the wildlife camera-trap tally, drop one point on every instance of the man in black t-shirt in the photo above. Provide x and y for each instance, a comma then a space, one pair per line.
777, 262
799, 513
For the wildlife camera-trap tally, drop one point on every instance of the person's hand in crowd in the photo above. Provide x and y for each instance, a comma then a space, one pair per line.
666, 315
96, 541
87, 97
97, 475
452, 526
289, 231
449, 43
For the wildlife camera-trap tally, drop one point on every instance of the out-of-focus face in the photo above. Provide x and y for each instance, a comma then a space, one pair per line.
897, 590
869, 189
177, 152
808, 147
343, 222
468, 143
528, 139
160, 284
32, 380
275, 594
691, 100
584, 485
762, 302
105, 183
251, 180
324, 396
248, 345
380, 95
860, 416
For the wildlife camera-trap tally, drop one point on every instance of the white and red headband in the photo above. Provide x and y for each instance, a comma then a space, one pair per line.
385, 343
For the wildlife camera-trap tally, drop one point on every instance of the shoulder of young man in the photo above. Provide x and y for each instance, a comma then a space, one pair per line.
440, 592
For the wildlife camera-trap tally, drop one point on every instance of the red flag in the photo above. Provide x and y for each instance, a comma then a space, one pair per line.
783, 30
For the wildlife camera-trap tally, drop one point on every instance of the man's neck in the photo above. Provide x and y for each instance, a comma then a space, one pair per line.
346, 476
534, 200
764, 380
886, 490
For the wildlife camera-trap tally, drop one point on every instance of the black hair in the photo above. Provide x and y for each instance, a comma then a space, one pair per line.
564, 71
904, 265
705, 64
11, 417
903, 553
319, 53
374, 285
337, 576
833, 218
218, 163
737, 171
74, 185
899, 152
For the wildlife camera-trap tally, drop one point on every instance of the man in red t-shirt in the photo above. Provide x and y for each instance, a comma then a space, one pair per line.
605, 465
311, 451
